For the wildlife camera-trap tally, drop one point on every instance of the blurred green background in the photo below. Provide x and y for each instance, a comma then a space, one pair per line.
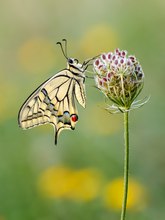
81, 178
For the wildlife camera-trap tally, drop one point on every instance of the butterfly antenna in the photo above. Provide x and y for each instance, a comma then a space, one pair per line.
65, 46
62, 49
88, 60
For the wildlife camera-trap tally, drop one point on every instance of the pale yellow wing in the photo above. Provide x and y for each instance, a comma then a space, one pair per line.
54, 102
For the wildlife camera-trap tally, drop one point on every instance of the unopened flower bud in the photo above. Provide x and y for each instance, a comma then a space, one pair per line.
119, 76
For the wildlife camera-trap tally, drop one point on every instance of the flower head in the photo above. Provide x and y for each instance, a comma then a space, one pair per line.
120, 77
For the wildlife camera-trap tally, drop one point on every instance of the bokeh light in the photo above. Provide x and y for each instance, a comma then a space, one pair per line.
113, 194
92, 44
37, 55
62, 182
54, 182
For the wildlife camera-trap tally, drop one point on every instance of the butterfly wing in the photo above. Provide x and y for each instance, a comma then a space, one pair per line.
54, 102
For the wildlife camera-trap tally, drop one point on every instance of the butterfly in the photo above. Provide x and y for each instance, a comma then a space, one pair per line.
54, 100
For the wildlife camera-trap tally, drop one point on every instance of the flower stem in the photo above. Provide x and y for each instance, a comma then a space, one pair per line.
126, 165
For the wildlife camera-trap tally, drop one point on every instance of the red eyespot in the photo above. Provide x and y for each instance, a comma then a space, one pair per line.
74, 118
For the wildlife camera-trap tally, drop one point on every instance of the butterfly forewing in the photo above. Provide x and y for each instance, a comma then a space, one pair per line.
54, 102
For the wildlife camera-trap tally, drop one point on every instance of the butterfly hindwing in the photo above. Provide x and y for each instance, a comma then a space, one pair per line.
54, 102
80, 93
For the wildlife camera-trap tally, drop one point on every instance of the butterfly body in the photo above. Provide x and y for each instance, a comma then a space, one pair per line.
54, 101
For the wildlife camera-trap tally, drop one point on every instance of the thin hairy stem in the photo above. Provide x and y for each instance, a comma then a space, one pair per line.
126, 164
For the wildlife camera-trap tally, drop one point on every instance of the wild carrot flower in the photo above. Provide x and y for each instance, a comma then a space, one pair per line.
120, 77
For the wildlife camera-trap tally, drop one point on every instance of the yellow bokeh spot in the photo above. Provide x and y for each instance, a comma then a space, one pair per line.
99, 39
37, 55
53, 182
101, 121
113, 194
62, 182
84, 184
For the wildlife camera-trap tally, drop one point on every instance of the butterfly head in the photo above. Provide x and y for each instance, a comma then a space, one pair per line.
74, 65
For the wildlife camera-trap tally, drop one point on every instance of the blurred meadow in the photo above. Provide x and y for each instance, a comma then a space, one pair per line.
81, 178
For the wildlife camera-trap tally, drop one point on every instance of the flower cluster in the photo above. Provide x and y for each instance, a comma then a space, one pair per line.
120, 77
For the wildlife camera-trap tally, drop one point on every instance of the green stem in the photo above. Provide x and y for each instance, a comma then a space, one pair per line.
126, 165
